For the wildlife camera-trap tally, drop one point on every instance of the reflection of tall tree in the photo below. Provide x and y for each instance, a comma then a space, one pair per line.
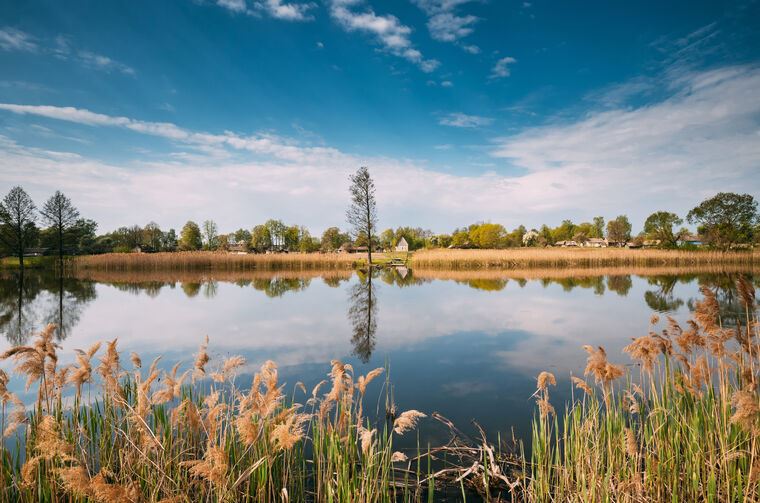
362, 313
22, 308
72, 295
17, 317
662, 299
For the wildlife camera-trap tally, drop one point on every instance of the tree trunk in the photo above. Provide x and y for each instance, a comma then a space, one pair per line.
60, 250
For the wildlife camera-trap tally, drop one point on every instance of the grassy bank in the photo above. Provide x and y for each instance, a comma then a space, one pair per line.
683, 424
525, 258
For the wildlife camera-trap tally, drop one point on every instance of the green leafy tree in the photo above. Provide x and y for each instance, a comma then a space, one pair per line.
619, 230
190, 237
725, 219
362, 213
488, 235
152, 236
242, 236
659, 226
169, 242
292, 237
83, 235
210, 235
17, 222
387, 239
598, 231
261, 238
60, 215
332, 239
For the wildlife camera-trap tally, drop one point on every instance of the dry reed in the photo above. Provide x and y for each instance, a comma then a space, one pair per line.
526, 258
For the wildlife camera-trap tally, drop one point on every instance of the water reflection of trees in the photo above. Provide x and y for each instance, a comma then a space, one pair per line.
277, 286
362, 314
27, 302
661, 298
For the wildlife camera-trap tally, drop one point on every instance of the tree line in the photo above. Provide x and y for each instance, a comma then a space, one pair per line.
724, 221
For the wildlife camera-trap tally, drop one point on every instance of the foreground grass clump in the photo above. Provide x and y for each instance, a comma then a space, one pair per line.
686, 430
524, 258
135, 443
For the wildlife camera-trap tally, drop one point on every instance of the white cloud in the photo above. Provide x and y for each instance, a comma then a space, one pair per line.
288, 11
387, 29
501, 68
464, 121
278, 9
447, 83
233, 5
12, 39
445, 24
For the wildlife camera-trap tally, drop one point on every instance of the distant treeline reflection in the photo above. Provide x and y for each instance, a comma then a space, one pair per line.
28, 304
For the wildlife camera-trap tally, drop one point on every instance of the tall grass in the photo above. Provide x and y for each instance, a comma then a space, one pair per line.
146, 435
149, 437
216, 261
683, 428
524, 258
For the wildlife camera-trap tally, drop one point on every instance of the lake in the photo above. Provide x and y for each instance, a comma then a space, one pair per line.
468, 345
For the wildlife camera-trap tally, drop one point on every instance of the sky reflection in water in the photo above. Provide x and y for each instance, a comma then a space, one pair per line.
468, 348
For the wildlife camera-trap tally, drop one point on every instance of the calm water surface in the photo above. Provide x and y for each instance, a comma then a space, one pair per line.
469, 348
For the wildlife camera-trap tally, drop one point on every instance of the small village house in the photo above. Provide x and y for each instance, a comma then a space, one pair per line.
595, 243
402, 245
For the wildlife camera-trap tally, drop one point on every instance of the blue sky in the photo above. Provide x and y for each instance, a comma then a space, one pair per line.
464, 110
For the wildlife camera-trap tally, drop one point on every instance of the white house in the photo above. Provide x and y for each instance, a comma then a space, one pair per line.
402, 245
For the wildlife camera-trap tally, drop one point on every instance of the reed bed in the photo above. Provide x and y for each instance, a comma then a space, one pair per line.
684, 427
145, 435
216, 261
526, 258
539, 273
193, 276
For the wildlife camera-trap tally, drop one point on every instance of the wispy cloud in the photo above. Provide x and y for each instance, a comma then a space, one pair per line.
287, 11
501, 68
62, 48
12, 39
233, 5
446, 24
701, 139
465, 121
387, 30
668, 155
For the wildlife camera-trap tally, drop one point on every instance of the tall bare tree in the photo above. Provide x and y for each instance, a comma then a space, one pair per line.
17, 222
362, 214
61, 215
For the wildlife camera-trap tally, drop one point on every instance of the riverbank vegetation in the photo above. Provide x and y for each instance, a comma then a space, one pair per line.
682, 425
723, 222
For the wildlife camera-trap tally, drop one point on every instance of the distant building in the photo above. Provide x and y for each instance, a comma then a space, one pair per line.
35, 252
238, 248
402, 245
595, 243
566, 244
690, 239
